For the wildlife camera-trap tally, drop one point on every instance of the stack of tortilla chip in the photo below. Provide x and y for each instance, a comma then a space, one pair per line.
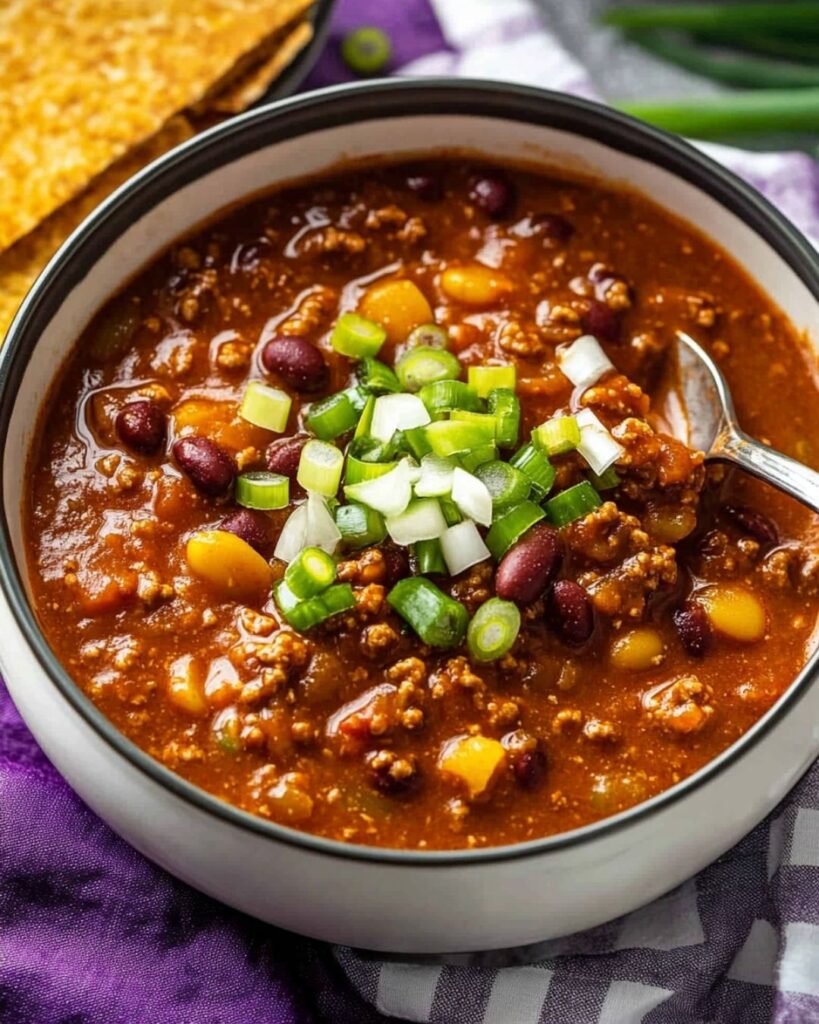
91, 91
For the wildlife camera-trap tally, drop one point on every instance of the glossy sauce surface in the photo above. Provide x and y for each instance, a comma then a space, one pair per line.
289, 728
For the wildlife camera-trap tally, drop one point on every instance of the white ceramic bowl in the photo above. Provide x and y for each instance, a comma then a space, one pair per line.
406, 901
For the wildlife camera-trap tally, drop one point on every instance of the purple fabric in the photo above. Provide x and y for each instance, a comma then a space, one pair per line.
92, 933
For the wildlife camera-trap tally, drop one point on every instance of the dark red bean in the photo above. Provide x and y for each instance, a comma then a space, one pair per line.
602, 322
527, 759
210, 469
693, 628
493, 192
252, 527
283, 454
299, 363
528, 567
391, 774
426, 186
570, 613
759, 526
552, 227
141, 426
397, 564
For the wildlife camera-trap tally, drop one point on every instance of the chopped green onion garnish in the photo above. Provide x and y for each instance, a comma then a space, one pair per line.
428, 557
356, 337
511, 526
422, 519
416, 443
359, 469
262, 490
443, 396
397, 412
377, 378
389, 494
302, 614
571, 504
311, 572
428, 336
451, 437
507, 485
451, 512
535, 464
358, 397
479, 455
320, 466
486, 378
605, 481
265, 406
493, 629
471, 496
484, 420
558, 435
424, 365
462, 547
365, 420
366, 51
360, 526
332, 416
504, 406
438, 620
436, 477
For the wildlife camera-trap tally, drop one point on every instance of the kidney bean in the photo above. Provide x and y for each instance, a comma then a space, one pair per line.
393, 775
493, 192
397, 564
602, 322
300, 364
570, 612
526, 756
759, 526
552, 227
141, 426
209, 467
252, 527
693, 628
283, 454
425, 185
528, 567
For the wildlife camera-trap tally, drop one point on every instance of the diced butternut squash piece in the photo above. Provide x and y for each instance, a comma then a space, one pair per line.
228, 563
475, 285
637, 650
734, 611
398, 306
670, 523
185, 685
201, 414
475, 760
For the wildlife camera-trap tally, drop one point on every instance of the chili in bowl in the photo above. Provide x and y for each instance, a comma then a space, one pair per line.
360, 511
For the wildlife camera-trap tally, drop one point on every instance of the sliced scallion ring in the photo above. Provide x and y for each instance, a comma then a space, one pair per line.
436, 477
265, 407
462, 547
471, 496
397, 412
573, 503
428, 557
438, 619
360, 526
558, 435
388, 494
493, 629
428, 336
486, 378
357, 337
320, 466
509, 527
536, 466
377, 378
503, 404
302, 614
311, 572
332, 416
453, 437
442, 396
424, 365
477, 456
262, 490
422, 519
507, 485
360, 469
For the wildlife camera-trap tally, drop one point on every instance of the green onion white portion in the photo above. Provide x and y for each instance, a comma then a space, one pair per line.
320, 466
422, 519
584, 362
462, 547
597, 446
472, 497
435, 480
388, 494
397, 412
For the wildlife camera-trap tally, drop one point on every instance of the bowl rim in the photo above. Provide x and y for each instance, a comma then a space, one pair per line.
314, 111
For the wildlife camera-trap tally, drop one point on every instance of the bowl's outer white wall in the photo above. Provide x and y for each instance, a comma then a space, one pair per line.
377, 905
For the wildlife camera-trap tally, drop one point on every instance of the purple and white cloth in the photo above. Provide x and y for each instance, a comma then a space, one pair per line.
92, 933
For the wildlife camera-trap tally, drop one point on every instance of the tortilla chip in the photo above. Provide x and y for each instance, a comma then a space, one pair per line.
249, 87
21, 264
81, 82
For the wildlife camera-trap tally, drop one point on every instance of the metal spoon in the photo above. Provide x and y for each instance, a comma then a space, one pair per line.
713, 428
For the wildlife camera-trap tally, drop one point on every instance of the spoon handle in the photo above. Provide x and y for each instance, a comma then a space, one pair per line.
769, 465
